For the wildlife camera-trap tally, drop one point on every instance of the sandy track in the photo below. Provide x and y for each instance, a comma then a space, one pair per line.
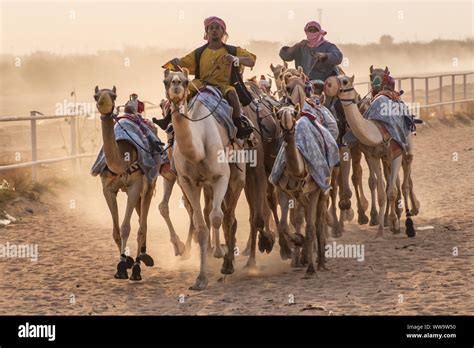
77, 256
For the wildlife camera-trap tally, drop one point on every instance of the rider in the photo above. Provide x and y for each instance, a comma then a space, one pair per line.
215, 65
318, 57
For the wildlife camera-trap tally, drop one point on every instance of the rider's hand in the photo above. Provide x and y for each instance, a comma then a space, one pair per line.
321, 56
174, 62
229, 58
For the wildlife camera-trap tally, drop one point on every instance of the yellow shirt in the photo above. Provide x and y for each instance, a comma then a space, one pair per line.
213, 69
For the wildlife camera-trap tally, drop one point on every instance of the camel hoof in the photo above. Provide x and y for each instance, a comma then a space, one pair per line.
309, 272
363, 219
298, 239
348, 215
136, 272
285, 250
265, 242
336, 231
227, 267
296, 259
179, 248
200, 284
147, 260
219, 251
251, 265
129, 262
409, 228
374, 218
322, 267
121, 271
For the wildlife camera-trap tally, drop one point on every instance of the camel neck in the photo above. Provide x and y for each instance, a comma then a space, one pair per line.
184, 135
113, 157
294, 163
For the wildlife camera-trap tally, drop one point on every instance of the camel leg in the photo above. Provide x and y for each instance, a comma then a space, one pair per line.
111, 199
133, 194
374, 220
362, 203
219, 189
255, 220
320, 230
163, 207
392, 193
272, 202
207, 211
145, 201
283, 232
386, 174
407, 189
345, 194
336, 227
191, 230
192, 192
381, 194
231, 199
311, 211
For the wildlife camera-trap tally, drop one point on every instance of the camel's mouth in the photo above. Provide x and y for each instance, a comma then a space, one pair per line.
176, 94
105, 105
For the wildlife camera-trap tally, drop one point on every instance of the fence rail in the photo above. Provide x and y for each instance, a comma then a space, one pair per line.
75, 156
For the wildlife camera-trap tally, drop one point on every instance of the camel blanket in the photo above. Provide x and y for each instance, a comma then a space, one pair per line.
394, 115
142, 135
324, 117
318, 148
212, 99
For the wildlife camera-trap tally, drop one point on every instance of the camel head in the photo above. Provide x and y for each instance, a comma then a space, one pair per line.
342, 86
105, 99
176, 85
277, 72
287, 116
376, 77
293, 86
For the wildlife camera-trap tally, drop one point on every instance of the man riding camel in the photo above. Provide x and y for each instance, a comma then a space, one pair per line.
319, 59
212, 65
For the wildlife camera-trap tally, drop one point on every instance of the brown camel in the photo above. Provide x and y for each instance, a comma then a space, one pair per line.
122, 173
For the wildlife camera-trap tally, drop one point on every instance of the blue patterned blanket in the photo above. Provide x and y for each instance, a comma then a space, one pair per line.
212, 99
147, 140
318, 148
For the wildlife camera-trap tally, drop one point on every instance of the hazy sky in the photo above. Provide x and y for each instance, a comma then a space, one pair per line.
86, 26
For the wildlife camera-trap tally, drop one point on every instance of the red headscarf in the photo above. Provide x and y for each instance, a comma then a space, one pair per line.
215, 20
314, 39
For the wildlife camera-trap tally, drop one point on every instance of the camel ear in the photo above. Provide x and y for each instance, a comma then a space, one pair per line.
283, 70
352, 78
185, 72
371, 69
297, 109
285, 64
272, 67
114, 89
387, 72
167, 72
96, 89
300, 70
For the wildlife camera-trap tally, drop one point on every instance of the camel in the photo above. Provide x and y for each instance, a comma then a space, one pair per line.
268, 134
372, 142
198, 141
309, 195
277, 72
121, 173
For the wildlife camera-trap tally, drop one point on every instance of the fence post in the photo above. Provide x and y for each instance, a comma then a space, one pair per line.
464, 85
453, 80
74, 143
440, 93
412, 83
399, 85
34, 148
426, 91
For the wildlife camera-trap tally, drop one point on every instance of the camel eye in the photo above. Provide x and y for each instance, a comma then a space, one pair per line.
344, 82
